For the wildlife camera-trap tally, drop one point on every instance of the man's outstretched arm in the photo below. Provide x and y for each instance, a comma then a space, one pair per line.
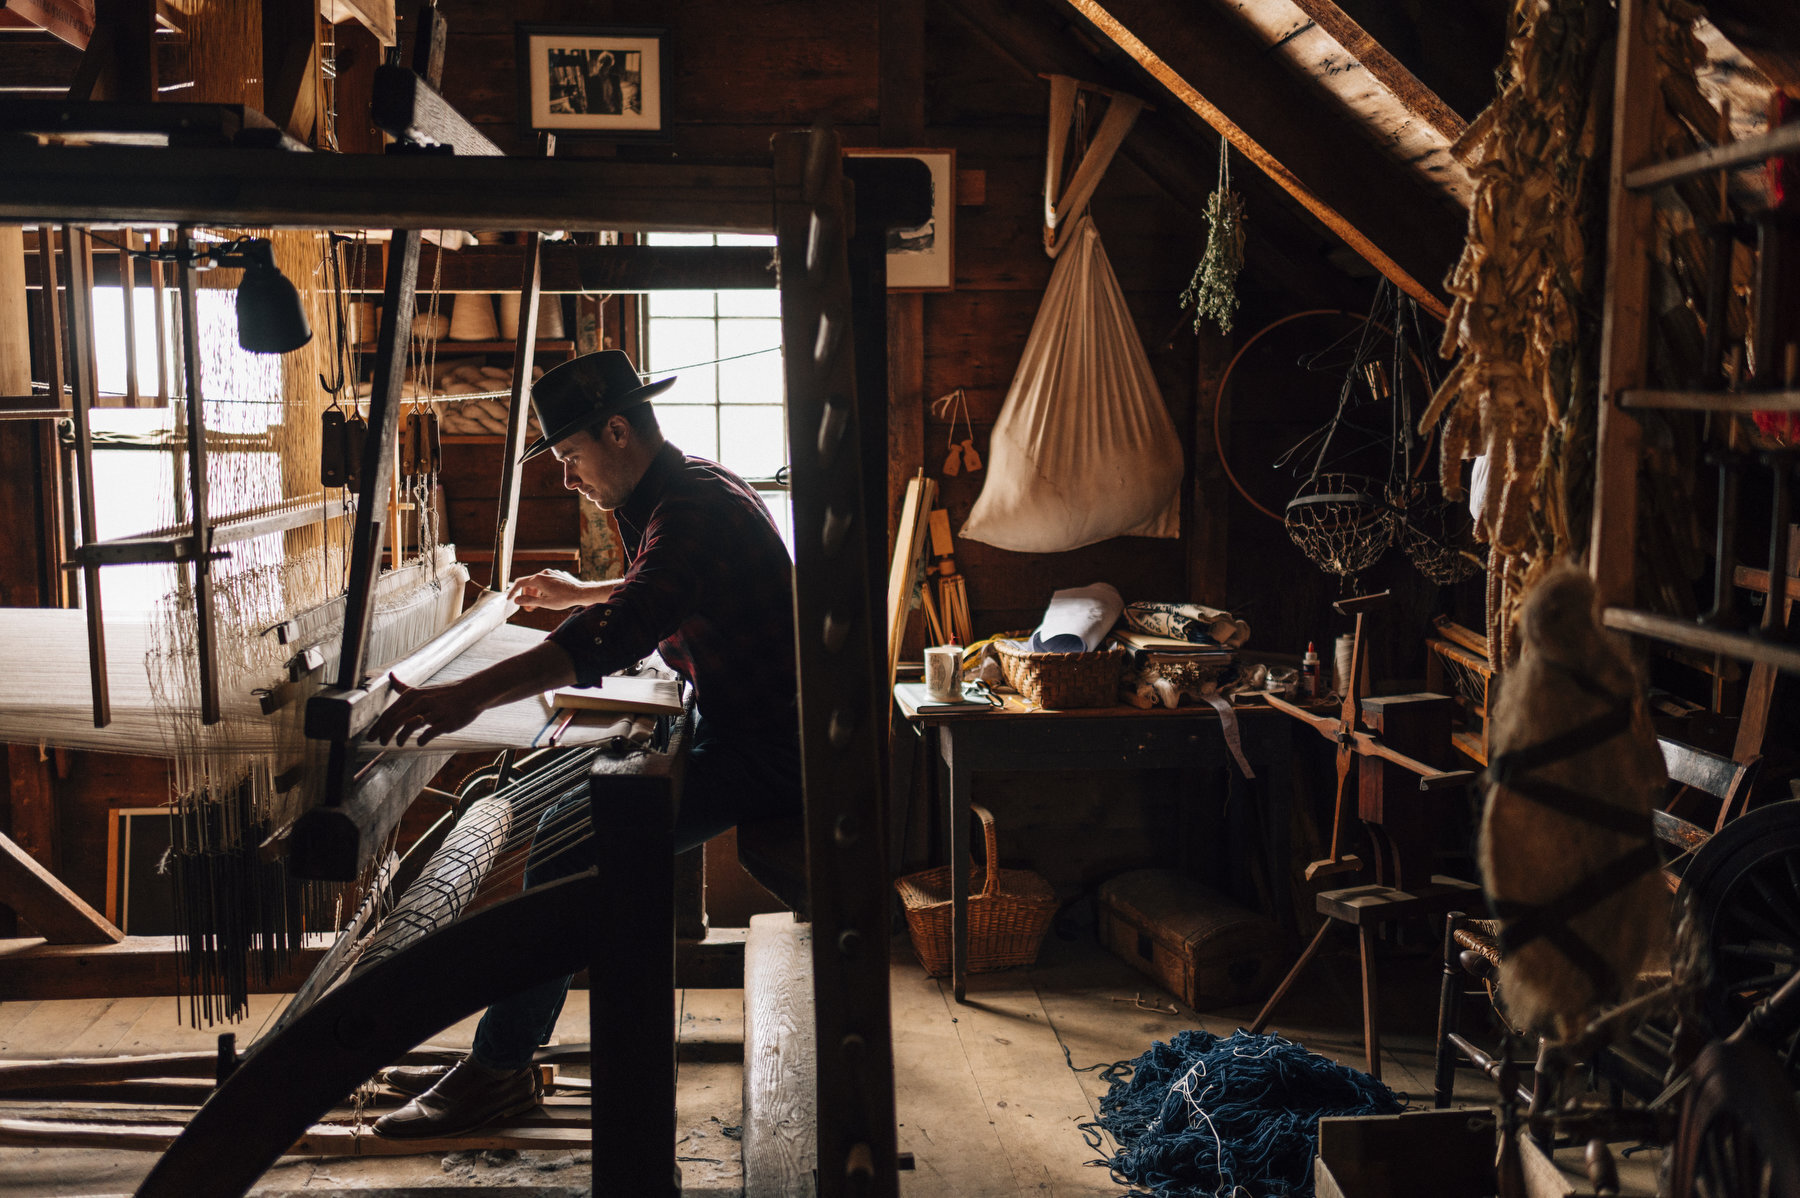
428, 712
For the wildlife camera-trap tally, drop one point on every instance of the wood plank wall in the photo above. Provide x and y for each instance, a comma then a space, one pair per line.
743, 71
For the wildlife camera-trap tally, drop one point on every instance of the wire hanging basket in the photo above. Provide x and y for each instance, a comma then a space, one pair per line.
1438, 536
1343, 523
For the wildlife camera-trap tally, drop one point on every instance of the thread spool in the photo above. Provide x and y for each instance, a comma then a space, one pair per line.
1343, 650
429, 326
472, 318
550, 321
361, 322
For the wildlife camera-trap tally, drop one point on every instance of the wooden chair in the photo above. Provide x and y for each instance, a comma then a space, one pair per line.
1472, 946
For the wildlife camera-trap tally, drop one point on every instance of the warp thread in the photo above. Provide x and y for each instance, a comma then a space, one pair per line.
1206, 1116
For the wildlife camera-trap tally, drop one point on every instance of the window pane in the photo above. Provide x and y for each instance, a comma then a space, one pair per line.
680, 303
746, 239
694, 429
678, 239
684, 343
781, 509
750, 303
750, 380
691, 387
109, 340
755, 438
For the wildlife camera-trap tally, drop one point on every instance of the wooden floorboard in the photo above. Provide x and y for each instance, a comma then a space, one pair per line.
954, 1068
943, 1119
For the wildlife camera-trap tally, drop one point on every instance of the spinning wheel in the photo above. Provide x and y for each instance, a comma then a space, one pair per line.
1744, 892
1740, 1129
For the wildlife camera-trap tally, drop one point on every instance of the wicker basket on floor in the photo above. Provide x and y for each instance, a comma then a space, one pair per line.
1062, 680
1009, 911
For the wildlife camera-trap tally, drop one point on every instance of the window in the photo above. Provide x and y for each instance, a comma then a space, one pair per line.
136, 451
724, 348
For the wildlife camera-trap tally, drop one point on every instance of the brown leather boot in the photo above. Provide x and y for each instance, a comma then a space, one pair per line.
414, 1080
467, 1097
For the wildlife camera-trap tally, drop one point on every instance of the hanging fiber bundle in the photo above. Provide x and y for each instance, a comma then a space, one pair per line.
1204, 1116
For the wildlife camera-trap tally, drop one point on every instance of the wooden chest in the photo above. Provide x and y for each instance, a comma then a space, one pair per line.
1198, 944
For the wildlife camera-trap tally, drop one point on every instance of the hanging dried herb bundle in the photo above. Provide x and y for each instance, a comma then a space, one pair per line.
1213, 290
1524, 326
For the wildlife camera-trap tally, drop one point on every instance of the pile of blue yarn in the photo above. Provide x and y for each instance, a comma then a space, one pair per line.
1205, 1116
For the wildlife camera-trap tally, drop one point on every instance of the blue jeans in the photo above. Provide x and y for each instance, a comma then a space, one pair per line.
729, 780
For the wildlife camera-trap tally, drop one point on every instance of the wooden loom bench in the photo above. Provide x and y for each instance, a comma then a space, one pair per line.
1019, 737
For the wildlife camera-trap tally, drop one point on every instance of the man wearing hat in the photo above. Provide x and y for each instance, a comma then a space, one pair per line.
708, 582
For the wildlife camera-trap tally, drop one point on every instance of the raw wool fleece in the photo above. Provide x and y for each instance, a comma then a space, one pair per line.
1084, 449
1530, 851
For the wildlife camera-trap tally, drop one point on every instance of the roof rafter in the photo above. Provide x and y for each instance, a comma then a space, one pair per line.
1372, 202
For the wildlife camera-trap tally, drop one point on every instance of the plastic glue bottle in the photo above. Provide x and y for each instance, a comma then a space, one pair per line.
1309, 673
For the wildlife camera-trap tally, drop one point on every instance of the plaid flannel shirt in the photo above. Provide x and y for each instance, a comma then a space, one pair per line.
709, 583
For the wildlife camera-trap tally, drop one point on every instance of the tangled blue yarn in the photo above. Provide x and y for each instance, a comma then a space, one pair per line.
1203, 1115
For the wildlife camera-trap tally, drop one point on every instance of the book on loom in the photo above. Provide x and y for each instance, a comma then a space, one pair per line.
658, 696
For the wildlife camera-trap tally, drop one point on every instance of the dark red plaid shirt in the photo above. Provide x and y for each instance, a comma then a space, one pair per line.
709, 583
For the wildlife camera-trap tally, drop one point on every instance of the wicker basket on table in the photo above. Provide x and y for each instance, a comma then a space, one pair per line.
1062, 680
1009, 911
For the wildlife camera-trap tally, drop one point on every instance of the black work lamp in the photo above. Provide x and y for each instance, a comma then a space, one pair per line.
271, 317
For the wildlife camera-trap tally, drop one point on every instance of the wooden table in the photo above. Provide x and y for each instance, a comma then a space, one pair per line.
1021, 737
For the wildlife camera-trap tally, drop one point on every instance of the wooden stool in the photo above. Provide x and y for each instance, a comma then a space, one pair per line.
1366, 908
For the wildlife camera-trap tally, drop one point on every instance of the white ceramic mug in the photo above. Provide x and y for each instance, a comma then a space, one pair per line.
943, 673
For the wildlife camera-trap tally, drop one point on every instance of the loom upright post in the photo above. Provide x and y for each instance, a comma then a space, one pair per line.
200, 520
524, 355
81, 376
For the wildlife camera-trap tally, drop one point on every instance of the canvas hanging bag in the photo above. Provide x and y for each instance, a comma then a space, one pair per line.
1084, 449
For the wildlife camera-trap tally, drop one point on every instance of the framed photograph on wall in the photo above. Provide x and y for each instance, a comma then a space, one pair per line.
592, 79
924, 259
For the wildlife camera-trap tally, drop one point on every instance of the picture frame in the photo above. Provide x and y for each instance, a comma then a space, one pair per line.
923, 259
605, 80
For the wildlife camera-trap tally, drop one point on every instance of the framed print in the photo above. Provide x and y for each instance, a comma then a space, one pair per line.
592, 79
924, 259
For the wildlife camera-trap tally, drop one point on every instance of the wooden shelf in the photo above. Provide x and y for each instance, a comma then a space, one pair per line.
1745, 152
1689, 635
536, 553
563, 346
1714, 401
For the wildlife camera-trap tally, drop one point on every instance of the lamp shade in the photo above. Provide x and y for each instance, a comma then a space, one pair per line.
271, 316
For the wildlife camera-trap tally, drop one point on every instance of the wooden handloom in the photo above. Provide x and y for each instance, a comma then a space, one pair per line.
831, 267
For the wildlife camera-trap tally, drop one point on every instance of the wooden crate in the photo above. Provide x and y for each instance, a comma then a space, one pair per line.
1197, 943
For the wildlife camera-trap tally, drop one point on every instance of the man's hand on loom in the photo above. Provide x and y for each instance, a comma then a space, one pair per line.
555, 590
425, 712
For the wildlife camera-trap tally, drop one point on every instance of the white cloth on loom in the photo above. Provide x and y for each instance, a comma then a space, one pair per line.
45, 696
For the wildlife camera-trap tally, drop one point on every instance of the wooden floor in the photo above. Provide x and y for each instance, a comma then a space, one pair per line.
987, 1101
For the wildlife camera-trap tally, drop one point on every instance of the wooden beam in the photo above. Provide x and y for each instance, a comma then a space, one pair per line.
568, 269
37, 62
410, 109
274, 189
290, 56
377, 16
1202, 59
136, 966
1176, 153
1420, 100
34, 893
1628, 319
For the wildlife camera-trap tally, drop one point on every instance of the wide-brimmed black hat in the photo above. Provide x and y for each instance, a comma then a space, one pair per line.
584, 391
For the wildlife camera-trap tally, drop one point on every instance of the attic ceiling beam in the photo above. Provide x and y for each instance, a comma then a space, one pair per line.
1419, 100
1324, 162
1165, 149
